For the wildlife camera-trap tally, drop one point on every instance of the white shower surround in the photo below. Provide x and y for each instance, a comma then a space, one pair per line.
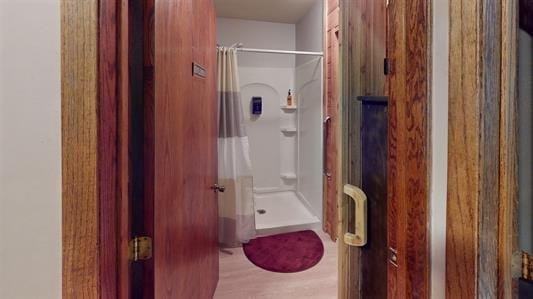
291, 204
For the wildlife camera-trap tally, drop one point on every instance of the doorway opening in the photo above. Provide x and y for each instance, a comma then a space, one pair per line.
165, 145
279, 48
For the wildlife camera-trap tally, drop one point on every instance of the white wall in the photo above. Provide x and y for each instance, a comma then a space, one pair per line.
262, 35
525, 142
30, 178
271, 151
309, 33
308, 78
439, 144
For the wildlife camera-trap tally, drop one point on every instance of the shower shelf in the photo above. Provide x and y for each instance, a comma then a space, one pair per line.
289, 108
288, 176
289, 130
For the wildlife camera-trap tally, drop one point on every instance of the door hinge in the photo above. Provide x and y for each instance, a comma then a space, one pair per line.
386, 66
393, 257
140, 249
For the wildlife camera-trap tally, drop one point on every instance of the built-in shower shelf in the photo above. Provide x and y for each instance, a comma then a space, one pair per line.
288, 176
289, 108
289, 130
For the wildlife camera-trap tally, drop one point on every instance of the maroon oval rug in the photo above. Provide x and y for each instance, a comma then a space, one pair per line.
285, 253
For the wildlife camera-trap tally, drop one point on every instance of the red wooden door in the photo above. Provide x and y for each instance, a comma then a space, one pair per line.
185, 232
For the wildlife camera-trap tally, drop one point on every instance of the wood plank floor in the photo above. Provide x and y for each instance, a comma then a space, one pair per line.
240, 279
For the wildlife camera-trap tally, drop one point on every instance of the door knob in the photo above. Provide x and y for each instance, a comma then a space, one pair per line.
218, 188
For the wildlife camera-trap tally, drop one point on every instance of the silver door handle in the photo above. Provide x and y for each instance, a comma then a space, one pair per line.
218, 188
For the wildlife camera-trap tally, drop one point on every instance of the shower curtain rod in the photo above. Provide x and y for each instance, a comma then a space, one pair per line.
280, 52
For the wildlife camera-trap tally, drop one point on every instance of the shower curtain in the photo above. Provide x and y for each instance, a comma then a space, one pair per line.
236, 204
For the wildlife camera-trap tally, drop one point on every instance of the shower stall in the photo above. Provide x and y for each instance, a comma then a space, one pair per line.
286, 141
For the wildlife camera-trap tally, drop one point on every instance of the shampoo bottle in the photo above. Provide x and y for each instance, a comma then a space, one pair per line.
289, 99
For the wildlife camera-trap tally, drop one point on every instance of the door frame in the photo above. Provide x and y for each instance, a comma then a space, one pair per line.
482, 257
95, 156
95, 163
409, 169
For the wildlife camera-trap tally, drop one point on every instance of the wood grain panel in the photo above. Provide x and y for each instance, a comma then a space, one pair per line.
93, 266
123, 159
332, 127
107, 148
185, 141
408, 46
79, 81
149, 135
204, 53
463, 188
363, 33
476, 190
508, 248
482, 162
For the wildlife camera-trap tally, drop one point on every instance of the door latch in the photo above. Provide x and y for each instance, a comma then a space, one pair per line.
218, 188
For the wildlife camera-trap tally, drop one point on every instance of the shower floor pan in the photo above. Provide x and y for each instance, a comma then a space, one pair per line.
281, 212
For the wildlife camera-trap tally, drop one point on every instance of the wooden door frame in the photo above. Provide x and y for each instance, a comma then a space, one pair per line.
409, 90
95, 158
481, 241
95, 166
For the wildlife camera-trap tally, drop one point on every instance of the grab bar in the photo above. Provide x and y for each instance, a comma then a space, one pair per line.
359, 237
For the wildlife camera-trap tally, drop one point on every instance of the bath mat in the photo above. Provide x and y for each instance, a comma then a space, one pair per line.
286, 253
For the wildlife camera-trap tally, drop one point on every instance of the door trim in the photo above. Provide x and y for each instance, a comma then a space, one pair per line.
481, 235
409, 43
90, 150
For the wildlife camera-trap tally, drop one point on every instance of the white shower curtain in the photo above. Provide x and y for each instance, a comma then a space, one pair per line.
236, 204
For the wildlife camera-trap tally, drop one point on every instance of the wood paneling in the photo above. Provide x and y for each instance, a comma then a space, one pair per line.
148, 57
481, 236
508, 215
463, 161
79, 81
123, 158
185, 151
107, 147
408, 45
95, 262
362, 53
331, 111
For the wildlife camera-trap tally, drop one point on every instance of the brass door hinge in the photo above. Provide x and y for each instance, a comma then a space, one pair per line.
140, 249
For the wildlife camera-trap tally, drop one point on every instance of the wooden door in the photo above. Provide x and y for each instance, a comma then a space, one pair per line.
185, 212
395, 261
363, 270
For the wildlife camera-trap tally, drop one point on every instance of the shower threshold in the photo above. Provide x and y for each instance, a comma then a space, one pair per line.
282, 212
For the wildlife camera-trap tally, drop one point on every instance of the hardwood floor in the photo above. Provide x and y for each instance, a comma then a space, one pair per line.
240, 279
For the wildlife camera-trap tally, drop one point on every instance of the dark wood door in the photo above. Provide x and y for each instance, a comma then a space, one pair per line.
185, 212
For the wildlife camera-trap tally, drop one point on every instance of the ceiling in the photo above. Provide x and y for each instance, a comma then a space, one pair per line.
279, 11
